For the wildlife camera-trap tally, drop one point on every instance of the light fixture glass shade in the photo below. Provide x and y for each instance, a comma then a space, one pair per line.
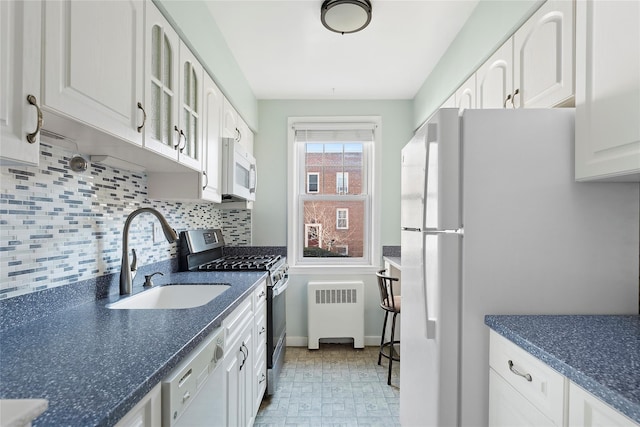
346, 16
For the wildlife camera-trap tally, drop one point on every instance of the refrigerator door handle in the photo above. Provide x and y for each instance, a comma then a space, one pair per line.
430, 323
459, 231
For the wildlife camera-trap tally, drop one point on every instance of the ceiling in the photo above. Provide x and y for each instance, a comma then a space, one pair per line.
285, 52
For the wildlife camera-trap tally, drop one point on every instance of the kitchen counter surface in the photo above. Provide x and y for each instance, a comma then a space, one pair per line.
599, 353
93, 364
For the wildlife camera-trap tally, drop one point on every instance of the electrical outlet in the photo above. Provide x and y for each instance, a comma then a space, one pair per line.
158, 235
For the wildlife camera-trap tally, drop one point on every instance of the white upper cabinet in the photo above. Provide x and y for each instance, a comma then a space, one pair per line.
190, 115
93, 63
211, 130
173, 93
534, 68
162, 73
543, 57
20, 43
236, 128
466, 94
608, 90
495, 79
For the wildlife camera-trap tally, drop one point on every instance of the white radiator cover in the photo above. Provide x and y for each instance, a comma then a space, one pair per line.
335, 310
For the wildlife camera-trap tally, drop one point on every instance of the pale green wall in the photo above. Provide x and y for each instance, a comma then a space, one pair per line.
270, 148
198, 28
269, 217
490, 24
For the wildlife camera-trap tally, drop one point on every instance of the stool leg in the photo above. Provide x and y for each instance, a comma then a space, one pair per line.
384, 328
393, 332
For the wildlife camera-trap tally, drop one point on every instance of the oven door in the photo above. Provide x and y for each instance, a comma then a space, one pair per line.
277, 332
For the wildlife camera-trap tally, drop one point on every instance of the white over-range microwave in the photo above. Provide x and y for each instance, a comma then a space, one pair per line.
239, 174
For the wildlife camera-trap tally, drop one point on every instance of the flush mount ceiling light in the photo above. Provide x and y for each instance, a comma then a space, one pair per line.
346, 16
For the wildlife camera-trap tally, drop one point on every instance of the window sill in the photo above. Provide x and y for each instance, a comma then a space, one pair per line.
329, 269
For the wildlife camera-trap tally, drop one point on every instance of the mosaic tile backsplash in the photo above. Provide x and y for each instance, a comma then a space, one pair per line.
58, 227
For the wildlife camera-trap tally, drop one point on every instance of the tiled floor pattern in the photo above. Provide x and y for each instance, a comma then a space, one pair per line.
336, 385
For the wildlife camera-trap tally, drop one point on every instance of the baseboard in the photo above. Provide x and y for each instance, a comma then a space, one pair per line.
369, 341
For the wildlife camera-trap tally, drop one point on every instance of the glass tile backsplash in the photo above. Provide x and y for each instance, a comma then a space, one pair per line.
58, 227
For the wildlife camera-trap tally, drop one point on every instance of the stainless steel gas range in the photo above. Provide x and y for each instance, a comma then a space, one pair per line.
203, 250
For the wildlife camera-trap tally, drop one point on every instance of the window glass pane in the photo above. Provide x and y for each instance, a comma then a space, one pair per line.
167, 78
156, 51
333, 162
321, 235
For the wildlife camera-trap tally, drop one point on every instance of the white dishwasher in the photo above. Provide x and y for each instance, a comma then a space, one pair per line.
193, 393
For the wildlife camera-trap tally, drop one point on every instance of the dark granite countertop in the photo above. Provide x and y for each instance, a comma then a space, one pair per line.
599, 353
93, 364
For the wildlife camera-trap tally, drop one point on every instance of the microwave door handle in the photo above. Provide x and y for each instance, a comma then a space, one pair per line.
253, 178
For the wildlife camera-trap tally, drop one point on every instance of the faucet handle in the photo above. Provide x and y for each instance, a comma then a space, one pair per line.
134, 261
147, 279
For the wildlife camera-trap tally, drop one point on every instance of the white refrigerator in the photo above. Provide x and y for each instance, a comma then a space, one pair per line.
494, 223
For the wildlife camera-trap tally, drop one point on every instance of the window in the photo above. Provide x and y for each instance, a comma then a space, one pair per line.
312, 182
342, 219
342, 250
331, 199
342, 182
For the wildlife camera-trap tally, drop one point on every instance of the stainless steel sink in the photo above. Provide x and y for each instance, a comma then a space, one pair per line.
171, 296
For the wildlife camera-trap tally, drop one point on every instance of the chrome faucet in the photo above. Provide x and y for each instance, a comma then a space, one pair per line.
128, 272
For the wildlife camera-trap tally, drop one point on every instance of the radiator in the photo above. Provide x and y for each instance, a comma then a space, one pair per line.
335, 310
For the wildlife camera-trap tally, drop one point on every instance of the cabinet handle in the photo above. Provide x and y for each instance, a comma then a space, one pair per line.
238, 135
513, 98
206, 181
186, 396
262, 331
504, 104
245, 356
262, 378
144, 117
262, 294
515, 371
31, 137
175, 127
184, 137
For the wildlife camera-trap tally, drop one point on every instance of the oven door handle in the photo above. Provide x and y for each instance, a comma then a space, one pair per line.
282, 286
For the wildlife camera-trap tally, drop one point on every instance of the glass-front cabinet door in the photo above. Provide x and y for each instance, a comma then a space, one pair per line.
190, 126
161, 131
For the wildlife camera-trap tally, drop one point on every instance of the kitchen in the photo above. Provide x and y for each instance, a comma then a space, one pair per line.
74, 255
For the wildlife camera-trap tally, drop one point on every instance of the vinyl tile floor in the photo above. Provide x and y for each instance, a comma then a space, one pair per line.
335, 385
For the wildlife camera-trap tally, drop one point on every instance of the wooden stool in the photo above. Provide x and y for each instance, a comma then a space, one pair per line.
390, 303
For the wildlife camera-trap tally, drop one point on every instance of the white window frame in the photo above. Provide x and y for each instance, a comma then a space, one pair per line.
344, 189
370, 262
346, 218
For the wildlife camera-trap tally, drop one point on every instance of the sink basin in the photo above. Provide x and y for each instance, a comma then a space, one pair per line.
171, 296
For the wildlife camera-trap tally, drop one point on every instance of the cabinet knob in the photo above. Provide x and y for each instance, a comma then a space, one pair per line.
31, 137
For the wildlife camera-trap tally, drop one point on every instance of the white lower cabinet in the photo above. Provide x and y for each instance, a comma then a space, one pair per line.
513, 408
147, 413
586, 410
524, 391
241, 360
527, 387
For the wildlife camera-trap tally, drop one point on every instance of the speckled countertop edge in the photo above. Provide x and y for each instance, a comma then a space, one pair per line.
583, 348
94, 364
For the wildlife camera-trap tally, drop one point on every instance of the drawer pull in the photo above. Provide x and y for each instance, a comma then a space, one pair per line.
515, 371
